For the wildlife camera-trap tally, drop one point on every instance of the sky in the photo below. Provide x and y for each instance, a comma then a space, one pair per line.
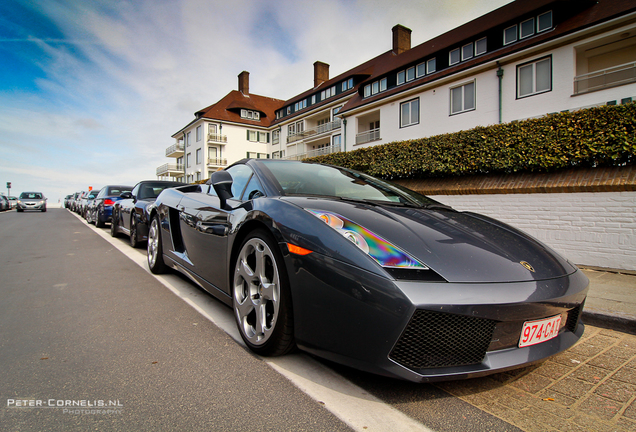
91, 91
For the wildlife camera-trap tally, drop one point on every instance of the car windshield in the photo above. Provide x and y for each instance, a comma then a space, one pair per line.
30, 195
297, 178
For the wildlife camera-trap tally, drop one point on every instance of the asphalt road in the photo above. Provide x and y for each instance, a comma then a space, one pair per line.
81, 322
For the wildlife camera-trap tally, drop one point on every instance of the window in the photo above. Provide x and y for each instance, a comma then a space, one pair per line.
410, 113
453, 57
276, 137
421, 69
313, 99
348, 84
463, 98
188, 159
544, 22
212, 129
401, 78
527, 28
199, 133
375, 87
336, 140
252, 135
467, 51
431, 66
188, 135
534, 78
480, 46
383, 84
212, 152
510, 35
288, 110
327, 93
335, 111
300, 105
253, 190
291, 129
198, 156
198, 176
367, 90
263, 137
410, 74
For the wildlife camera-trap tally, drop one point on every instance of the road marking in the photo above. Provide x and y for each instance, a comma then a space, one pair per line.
357, 408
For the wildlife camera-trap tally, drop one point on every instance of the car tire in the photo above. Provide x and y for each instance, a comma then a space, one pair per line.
155, 248
20, 210
44, 209
261, 296
134, 241
113, 226
98, 222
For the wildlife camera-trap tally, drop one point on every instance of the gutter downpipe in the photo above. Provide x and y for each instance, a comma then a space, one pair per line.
184, 157
344, 132
500, 73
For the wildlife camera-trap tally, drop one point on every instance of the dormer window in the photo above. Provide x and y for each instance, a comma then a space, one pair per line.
250, 115
527, 28
544, 22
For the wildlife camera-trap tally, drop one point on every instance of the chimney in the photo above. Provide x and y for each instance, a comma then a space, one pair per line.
244, 83
321, 73
401, 39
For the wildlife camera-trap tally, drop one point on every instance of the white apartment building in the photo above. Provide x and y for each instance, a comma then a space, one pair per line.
526, 59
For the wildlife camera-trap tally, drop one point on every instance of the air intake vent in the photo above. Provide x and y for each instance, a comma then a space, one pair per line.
436, 339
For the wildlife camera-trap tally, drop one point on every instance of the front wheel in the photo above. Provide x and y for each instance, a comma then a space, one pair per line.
261, 296
113, 226
155, 249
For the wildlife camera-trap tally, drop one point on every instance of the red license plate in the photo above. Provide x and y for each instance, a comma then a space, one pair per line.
534, 332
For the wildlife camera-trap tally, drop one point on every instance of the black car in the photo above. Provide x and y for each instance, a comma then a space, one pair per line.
366, 273
100, 209
129, 214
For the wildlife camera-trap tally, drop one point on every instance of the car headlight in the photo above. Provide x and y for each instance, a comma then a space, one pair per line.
382, 251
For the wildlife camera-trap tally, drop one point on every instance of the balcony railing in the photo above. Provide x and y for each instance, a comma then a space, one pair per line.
610, 77
175, 150
314, 153
217, 162
217, 138
323, 128
368, 136
170, 169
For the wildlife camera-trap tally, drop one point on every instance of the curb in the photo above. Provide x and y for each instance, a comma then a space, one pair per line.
625, 324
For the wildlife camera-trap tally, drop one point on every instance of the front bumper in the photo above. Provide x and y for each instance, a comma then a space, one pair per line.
426, 331
31, 205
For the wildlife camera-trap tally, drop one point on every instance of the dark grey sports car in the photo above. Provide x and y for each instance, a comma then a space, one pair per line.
366, 273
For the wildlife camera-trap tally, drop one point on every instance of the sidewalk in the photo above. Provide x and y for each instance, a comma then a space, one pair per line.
611, 301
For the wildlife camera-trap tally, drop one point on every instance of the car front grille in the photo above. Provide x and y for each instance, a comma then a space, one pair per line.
437, 339
573, 317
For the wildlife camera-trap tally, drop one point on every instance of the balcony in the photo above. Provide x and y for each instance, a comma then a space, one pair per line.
217, 163
172, 170
315, 132
368, 136
314, 153
216, 138
606, 78
175, 150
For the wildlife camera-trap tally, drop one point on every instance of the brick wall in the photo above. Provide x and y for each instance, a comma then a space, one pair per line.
589, 216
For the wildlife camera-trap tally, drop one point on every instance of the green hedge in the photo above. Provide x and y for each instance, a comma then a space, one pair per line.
601, 136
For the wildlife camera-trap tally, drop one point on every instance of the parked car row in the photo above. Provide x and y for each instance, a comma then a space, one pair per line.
124, 207
8, 202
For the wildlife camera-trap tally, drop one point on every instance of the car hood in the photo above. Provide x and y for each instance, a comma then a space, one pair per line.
459, 246
31, 200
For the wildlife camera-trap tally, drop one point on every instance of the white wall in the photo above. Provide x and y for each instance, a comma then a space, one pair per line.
593, 229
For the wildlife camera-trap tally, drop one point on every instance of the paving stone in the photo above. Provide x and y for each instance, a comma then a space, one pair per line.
610, 333
626, 375
600, 407
590, 374
626, 425
616, 390
622, 352
602, 341
632, 364
588, 349
553, 370
572, 387
630, 412
532, 383
593, 424
606, 361
569, 359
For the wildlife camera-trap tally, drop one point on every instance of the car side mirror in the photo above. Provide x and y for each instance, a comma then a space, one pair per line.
125, 195
221, 181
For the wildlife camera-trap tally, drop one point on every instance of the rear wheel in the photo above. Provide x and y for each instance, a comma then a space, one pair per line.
155, 249
134, 242
261, 296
